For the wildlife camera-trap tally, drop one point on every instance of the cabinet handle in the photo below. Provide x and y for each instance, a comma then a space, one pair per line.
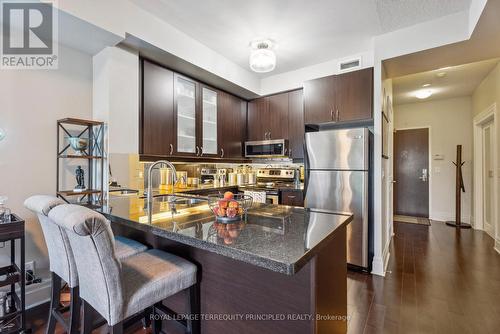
171, 149
286, 151
337, 115
201, 151
331, 115
290, 153
197, 151
222, 153
291, 197
265, 135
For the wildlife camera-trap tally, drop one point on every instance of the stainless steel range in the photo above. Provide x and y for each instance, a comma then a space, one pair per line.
269, 183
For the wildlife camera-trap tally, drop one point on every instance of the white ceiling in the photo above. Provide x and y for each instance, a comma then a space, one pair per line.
307, 32
458, 81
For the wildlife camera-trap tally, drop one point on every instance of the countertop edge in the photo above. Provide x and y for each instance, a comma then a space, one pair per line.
269, 264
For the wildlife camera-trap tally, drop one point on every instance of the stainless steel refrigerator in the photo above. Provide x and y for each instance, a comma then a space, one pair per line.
338, 167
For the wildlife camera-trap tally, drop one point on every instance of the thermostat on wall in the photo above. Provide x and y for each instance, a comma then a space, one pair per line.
438, 156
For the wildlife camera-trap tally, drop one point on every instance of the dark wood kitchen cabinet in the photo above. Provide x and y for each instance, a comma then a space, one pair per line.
292, 197
157, 112
277, 119
296, 124
231, 125
279, 116
258, 110
339, 98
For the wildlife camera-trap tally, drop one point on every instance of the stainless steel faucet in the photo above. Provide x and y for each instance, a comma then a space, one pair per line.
150, 185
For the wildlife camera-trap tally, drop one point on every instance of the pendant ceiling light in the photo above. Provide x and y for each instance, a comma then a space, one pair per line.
262, 57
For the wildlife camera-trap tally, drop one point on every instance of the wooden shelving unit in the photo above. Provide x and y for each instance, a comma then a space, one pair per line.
94, 155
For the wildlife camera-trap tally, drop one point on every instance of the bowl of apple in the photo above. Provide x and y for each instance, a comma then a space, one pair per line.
229, 207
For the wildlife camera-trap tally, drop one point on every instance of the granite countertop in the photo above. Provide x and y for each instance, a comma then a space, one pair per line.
276, 237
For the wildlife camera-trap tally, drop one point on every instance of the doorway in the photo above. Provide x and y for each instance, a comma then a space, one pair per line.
485, 166
411, 173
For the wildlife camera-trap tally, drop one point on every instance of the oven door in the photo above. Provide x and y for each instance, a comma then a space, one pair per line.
266, 148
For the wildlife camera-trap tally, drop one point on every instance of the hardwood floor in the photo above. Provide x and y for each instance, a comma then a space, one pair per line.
440, 280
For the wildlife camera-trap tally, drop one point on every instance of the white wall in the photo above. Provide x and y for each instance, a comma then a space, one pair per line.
450, 122
32, 101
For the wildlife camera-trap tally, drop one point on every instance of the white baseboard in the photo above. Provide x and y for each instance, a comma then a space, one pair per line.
497, 245
448, 216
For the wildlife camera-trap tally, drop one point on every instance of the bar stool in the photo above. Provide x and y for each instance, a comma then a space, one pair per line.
62, 262
119, 289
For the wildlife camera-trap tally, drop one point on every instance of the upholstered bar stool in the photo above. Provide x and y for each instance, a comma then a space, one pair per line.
62, 262
121, 288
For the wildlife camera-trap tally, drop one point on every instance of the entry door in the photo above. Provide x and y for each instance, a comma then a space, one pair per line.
488, 178
411, 172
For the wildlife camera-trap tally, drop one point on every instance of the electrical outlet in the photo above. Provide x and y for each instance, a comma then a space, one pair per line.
30, 266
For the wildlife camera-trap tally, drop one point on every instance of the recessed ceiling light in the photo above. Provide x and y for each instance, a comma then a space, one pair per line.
423, 93
426, 85
441, 74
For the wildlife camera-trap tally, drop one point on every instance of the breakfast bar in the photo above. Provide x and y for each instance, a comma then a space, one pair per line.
281, 269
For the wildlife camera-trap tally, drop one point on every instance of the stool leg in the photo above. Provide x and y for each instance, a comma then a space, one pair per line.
146, 321
193, 323
116, 329
55, 300
74, 320
87, 323
156, 321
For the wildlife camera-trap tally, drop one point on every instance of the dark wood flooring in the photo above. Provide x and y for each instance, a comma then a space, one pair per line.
440, 280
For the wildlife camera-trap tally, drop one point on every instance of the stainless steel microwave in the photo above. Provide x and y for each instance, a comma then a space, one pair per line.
276, 148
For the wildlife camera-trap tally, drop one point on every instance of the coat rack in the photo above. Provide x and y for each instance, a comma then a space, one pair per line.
459, 188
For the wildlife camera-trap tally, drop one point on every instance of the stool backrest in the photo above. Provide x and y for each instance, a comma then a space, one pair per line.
61, 257
99, 270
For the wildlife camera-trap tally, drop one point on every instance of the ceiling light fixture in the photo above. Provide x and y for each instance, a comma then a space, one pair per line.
423, 93
262, 57
426, 85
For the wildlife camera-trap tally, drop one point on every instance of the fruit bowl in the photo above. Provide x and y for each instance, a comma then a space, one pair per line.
229, 207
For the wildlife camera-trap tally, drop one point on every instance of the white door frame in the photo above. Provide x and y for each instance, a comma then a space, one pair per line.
485, 117
429, 178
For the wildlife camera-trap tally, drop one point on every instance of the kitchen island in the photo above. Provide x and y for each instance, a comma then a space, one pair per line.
281, 270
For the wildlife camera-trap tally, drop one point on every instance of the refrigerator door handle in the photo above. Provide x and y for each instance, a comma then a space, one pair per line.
306, 169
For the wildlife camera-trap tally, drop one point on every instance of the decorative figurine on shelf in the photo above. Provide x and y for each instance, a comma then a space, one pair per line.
80, 179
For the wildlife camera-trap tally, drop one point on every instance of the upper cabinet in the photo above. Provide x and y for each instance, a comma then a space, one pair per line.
232, 125
181, 117
268, 117
157, 111
279, 116
258, 111
185, 96
339, 98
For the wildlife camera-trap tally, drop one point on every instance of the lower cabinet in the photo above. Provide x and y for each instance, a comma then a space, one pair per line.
292, 197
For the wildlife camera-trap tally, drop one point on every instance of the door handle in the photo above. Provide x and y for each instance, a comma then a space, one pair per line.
424, 175
222, 153
171, 149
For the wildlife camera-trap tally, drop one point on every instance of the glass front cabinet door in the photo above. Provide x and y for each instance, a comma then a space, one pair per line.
185, 106
196, 118
209, 121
